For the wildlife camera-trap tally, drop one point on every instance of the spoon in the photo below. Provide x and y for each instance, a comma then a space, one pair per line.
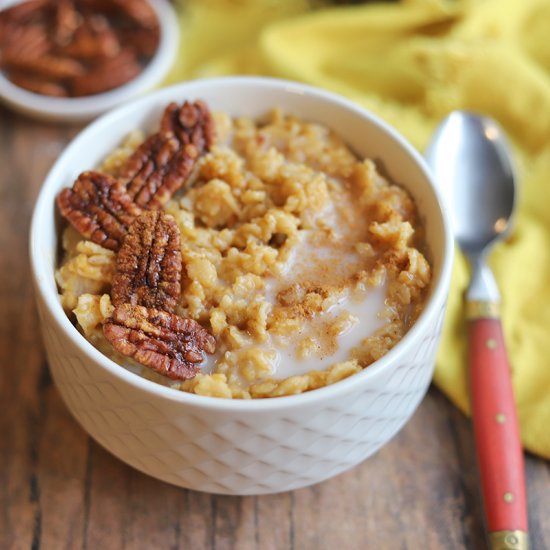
471, 162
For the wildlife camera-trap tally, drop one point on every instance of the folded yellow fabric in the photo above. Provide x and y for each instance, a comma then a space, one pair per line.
411, 63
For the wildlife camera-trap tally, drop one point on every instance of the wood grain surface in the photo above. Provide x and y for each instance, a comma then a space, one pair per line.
60, 490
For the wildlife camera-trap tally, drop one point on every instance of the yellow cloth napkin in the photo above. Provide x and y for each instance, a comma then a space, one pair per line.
411, 63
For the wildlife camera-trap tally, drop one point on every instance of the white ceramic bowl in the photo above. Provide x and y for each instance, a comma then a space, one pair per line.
85, 108
256, 446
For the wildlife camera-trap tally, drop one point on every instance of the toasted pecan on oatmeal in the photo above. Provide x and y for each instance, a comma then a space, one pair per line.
99, 207
169, 344
148, 265
163, 162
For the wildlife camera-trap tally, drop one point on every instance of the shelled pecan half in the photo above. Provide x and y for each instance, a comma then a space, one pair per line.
28, 42
47, 66
156, 170
25, 11
170, 345
144, 42
99, 208
164, 162
138, 11
67, 21
149, 264
94, 40
110, 73
191, 123
37, 85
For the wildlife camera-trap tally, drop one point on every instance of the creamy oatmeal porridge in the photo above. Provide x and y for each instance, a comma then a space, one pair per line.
302, 262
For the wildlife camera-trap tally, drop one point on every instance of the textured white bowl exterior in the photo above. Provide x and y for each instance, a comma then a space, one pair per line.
242, 447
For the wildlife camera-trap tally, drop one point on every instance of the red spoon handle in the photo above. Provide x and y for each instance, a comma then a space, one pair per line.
499, 451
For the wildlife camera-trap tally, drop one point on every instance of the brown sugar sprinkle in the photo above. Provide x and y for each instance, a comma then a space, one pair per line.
76, 47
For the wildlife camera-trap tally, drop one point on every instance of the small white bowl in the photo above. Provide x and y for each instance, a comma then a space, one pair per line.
234, 446
85, 108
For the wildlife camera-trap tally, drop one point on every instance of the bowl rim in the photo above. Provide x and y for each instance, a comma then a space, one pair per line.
435, 301
73, 109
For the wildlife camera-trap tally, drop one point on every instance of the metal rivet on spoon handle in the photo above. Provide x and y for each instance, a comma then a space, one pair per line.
471, 162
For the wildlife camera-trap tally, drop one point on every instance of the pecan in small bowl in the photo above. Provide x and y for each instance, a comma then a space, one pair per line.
71, 60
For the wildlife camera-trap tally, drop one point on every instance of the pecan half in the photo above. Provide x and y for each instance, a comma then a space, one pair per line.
164, 162
24, 11
110, 73
94, 40
139, 11
144, 42
99, 207
149, 264
25, 42
156, 170
48, 66
37, 85
67, 21
192, 124
170, 345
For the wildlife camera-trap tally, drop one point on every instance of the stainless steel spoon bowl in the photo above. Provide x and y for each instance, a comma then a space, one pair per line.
471, 160
472, 164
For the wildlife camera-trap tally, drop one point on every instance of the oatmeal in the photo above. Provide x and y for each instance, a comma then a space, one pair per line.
295, 263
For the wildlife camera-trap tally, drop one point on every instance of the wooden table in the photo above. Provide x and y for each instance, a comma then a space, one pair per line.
59, 489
